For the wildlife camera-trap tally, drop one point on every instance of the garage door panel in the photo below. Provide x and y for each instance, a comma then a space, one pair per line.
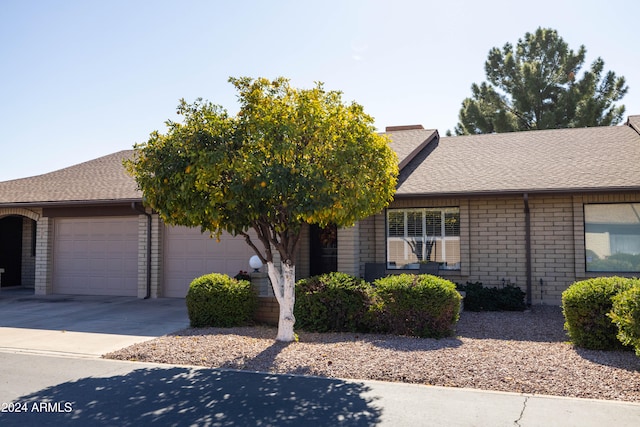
188, 254
96, 256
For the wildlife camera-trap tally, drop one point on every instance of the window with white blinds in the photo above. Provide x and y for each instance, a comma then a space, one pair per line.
421, 235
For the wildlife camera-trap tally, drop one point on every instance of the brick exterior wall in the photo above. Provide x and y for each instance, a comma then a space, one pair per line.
156, 256
28, 253
496, 242
493, 235
349, 250
553, 250
268, 311
44, 258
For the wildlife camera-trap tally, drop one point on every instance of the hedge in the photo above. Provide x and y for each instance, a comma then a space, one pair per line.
418, 305
586, 304
219, 300
332, 302
625, 314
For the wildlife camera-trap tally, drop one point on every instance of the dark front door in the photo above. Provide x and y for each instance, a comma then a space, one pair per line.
324, 249
11, 250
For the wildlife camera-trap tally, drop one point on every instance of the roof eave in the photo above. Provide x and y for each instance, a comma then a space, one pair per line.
98, 202
511, 192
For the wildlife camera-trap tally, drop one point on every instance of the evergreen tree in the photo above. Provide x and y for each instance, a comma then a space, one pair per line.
537, 85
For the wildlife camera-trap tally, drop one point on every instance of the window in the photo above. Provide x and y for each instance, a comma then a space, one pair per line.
421, 235
612, 237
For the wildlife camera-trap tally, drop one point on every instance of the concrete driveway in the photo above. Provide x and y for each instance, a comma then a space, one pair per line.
83, 326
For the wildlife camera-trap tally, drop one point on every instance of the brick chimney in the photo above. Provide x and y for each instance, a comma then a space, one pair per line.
399, 128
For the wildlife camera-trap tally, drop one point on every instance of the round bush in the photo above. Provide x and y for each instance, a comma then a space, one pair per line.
219, 300
626, 316
419, 305
585, 305
331, 302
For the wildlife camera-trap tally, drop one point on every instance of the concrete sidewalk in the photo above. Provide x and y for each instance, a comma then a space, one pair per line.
69, 391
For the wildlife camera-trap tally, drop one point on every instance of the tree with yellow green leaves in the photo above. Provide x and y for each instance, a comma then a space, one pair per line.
289, 157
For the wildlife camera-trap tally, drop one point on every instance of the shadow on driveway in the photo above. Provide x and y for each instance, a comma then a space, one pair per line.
184, 396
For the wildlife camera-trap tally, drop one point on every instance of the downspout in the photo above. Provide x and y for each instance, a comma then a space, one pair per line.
527, 245
148, 215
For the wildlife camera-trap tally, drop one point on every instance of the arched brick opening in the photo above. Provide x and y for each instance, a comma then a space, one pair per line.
17, 247
19, 211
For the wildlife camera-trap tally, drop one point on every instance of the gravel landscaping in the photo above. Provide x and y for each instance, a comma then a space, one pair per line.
523, 352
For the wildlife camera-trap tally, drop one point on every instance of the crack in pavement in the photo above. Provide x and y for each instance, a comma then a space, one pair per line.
524, 406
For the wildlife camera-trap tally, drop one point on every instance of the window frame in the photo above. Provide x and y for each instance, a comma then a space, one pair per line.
441, 236
588, 249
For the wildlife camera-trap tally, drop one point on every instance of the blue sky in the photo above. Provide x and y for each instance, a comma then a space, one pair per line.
82, 79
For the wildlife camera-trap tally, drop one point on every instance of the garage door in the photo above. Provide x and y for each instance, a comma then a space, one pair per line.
96, 256
189, 254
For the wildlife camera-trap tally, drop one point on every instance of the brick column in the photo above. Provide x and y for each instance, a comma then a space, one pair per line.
349, 250
157, 228
44, 258
156, 255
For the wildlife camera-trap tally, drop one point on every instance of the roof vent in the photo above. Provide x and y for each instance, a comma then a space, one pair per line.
398, 128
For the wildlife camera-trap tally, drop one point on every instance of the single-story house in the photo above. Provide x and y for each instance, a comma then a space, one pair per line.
536, 209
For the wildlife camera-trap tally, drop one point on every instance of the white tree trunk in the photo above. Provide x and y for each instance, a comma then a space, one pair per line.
284, 290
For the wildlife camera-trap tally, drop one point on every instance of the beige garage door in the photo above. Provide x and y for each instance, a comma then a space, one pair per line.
96, 256
189, 254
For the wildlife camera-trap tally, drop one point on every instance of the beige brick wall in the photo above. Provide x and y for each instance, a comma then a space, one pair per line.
492, 240
44, 259
553, 255
372, 247
496, 234
28, 254
268, 311
156, 256
349, 250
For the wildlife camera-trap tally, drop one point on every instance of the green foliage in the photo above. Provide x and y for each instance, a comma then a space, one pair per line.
218, 300
289, 157
332, 302
419, 305
585, 305
480, 298
536, 85
626, 316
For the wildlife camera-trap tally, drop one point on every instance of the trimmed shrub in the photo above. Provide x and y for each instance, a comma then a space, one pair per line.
219, 300
626, 316
420, 305
331, 302
480, 298
585, 305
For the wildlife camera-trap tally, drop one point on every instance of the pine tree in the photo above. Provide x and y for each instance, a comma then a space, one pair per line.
537, 85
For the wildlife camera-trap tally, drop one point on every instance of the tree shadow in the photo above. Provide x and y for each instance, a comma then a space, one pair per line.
189, 396
266, 357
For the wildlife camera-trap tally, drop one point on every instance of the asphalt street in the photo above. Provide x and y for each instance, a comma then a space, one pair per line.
45, 390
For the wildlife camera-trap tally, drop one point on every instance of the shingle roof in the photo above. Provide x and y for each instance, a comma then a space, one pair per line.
602, 158
599, 158
102, 179
408, 143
